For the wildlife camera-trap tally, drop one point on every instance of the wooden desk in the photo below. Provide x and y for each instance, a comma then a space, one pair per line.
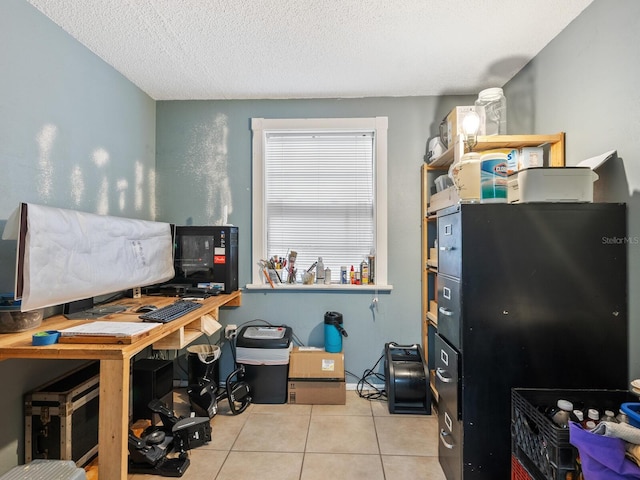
115, 360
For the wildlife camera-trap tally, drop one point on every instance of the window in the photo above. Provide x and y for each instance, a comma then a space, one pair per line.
320, 189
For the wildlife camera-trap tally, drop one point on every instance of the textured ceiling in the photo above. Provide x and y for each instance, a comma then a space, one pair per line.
238, 49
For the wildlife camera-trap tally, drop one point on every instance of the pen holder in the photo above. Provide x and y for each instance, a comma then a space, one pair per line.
277, 275
308, 278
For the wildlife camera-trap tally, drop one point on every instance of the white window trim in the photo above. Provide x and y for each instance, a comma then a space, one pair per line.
259, 235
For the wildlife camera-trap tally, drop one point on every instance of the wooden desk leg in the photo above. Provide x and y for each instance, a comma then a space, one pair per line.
113, 420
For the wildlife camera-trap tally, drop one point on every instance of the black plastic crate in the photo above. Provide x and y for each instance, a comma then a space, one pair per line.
537, 441
519, 471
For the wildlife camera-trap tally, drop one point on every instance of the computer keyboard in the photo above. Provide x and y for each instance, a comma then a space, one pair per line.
170, 312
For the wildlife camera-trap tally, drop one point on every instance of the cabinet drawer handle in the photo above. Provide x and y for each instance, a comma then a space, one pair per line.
445, 311
444, 434
441, 377
446, 248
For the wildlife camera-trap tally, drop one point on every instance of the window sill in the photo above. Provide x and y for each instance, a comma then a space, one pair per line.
334, 287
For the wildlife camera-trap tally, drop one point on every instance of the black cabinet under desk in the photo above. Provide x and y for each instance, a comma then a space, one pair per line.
529, 295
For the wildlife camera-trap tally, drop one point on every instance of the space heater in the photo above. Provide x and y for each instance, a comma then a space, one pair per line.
406, 379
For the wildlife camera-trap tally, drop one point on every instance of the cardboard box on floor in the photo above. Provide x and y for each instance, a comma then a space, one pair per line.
316, 377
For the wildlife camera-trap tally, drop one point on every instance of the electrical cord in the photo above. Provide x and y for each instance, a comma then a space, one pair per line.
232, 347
363, 385
374, 393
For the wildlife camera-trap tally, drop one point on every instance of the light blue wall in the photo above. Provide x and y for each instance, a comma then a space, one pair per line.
585, 82
74, 133
204, 163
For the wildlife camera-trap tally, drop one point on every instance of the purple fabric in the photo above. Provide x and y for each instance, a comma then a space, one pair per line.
602, 457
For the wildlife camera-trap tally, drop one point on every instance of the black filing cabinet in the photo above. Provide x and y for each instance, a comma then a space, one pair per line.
529, 295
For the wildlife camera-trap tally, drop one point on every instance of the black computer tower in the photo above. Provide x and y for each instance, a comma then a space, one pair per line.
152, 379
207, 256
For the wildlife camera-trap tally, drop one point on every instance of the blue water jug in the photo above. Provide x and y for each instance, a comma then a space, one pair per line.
333, 332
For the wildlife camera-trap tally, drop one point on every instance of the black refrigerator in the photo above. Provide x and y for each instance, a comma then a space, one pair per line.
529, 295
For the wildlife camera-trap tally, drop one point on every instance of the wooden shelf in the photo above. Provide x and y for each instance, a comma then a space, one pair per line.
206, 324
449, 196
433, 256
432, 203
432, 385
488, 142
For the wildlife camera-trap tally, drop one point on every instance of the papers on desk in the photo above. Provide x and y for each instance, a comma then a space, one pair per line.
106, 332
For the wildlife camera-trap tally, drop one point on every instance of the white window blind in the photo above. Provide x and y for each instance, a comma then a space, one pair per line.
320, 188
319, 197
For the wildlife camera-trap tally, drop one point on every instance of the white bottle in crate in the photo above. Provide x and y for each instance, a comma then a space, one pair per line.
592, 420
622, 417
563, 414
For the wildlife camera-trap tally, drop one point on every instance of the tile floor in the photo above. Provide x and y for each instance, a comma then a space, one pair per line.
304, 442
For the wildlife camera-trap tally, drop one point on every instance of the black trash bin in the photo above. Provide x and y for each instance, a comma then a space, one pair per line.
264, 352
198, 359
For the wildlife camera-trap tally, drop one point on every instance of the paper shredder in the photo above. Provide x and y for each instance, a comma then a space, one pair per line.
264, 352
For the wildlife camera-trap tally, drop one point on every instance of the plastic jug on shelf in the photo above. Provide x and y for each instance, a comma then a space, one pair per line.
465, 175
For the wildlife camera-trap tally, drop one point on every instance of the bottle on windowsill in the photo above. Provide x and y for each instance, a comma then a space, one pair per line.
364, 272
320, 271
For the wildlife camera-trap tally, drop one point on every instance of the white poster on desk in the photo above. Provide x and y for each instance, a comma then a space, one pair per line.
67, 255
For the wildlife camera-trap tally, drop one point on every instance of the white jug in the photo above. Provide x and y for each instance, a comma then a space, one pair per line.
465, 175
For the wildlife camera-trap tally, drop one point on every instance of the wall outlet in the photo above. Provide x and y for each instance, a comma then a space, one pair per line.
230, 331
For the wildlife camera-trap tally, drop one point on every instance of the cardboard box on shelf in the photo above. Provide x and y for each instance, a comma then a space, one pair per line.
443, 199
316, 377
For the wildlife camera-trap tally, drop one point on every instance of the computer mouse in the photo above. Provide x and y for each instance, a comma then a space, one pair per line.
146, 308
